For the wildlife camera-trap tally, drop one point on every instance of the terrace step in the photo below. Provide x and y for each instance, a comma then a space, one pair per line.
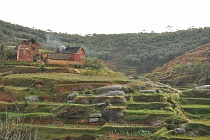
196, 111
201, 101
148, 105
148, 97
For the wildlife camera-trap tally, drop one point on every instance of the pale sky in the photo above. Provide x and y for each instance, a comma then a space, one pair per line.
106, 16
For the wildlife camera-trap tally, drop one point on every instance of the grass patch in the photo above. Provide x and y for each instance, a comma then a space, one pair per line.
156, 135
110, 127
195, 94
201, 101
147, 111
196, 109
15, 88
201, 121
53, 132
148, 97
37, 114
146, 105
22, 63
68, 77
146, 116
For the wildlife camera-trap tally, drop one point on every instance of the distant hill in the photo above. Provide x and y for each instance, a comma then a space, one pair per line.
191, 68
131, 53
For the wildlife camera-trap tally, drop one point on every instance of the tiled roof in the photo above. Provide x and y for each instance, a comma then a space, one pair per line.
71, 50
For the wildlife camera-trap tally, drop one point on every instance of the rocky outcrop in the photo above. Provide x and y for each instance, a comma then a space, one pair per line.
82, 101
113, 93
119, 100
73, 95
180, 130
31, 99
113, 90
71, 113
109, 88
98, 100
113, 114
95, 115
92, 120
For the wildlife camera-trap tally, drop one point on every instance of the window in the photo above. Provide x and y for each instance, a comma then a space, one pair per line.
24, 51
33, 47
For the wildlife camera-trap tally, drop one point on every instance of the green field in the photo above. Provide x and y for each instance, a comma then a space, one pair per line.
56, 114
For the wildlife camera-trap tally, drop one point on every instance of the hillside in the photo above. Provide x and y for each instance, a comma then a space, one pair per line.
55, 103
136, 52
191, 68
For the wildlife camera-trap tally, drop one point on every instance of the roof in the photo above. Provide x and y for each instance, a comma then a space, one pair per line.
31, 40
24, 41
57, 56
71, 50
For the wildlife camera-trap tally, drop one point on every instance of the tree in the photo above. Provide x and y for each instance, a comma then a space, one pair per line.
3, 53
197, 67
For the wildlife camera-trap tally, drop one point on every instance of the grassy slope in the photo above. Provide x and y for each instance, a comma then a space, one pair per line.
141, 110
182, 70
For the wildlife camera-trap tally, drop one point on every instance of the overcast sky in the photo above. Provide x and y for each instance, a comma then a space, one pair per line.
106, 16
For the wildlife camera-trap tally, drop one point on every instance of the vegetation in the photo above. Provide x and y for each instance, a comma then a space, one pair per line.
17, 131
143, 51
3, 53
145, 111
190, 69
64, 105
65, 77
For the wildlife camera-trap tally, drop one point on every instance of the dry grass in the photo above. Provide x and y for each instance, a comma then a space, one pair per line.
68, 77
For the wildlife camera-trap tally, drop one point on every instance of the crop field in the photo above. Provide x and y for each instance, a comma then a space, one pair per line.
65, 105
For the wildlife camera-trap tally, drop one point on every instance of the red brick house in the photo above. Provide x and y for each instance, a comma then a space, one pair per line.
27, 50
70, 55
74, 54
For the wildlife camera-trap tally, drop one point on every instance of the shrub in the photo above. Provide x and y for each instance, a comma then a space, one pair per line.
42, 67
78, 65
93, 63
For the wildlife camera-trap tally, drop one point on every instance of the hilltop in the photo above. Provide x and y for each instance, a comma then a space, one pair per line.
131, 53
191, 68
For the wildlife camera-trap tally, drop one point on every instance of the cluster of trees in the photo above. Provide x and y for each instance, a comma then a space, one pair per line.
3, 53
189, 74
144, 51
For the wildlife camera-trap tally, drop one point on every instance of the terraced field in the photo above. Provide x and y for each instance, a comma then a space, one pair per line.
195, 105
64, 105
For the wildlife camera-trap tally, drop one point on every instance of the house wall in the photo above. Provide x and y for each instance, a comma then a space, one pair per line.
36, 50
25, 52
78, 57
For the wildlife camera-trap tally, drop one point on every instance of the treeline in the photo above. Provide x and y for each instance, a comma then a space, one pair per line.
144, 51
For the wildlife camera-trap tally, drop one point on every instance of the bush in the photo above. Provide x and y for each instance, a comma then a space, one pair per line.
42, 67
78, 65
93, 63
